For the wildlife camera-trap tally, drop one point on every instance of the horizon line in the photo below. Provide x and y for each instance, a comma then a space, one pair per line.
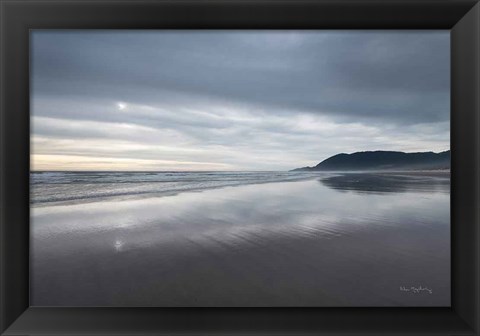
240, 170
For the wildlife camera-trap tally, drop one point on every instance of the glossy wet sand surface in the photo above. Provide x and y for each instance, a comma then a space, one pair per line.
352, 240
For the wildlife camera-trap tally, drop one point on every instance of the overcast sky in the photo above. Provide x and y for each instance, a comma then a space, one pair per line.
234, 100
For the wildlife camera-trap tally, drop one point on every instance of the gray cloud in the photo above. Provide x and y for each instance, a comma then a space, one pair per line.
264, 93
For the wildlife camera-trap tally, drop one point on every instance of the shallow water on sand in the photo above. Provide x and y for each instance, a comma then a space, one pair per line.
329, 240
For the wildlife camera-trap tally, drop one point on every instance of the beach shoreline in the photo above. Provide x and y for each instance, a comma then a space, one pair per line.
129, 195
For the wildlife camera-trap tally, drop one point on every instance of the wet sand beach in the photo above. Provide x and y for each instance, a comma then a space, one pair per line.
336, 240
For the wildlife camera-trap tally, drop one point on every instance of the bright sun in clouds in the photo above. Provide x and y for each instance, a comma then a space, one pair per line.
121, 106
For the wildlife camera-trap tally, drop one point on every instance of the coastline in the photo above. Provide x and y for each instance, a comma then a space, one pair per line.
129, 195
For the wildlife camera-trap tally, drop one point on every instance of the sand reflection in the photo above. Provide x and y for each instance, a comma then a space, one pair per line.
298, 243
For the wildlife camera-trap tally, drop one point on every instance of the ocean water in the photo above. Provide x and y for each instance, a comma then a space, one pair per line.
240, 239
48, 187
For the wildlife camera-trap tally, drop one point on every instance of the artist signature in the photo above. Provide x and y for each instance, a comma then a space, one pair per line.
416, 290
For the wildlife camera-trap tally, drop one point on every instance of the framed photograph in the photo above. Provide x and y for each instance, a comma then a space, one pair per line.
240, 167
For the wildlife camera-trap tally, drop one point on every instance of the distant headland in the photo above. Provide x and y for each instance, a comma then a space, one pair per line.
383, 160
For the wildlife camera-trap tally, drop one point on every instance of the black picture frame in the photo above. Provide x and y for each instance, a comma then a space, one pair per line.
18, 17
